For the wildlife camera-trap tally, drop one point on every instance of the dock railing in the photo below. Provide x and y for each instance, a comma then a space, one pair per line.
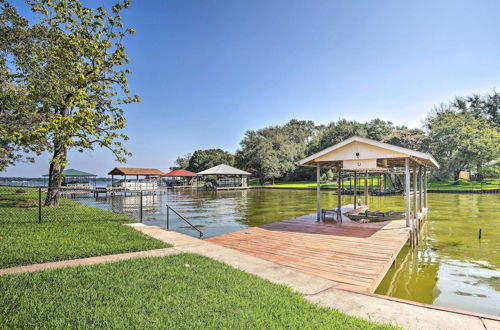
181, 217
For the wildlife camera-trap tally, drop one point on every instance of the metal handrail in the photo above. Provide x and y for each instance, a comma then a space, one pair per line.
180, 216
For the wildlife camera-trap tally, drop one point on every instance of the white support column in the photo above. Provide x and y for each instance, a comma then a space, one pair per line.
318, 193
425, 187
366, 188
339, 196
407, 190
415, 192
355, 189
421, 188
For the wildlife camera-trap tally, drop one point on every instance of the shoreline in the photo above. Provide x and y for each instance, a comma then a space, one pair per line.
433, 191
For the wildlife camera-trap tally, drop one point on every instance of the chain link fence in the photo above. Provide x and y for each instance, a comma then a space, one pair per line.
27, 204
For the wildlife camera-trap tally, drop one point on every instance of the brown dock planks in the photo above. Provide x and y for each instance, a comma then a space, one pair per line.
356, 256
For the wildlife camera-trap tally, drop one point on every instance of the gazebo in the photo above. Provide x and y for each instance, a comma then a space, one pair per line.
76, 178
227, 176
361, 157
181, 177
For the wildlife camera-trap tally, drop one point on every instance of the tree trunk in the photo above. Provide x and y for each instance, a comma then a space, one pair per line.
479, 174
456, 176
56, 169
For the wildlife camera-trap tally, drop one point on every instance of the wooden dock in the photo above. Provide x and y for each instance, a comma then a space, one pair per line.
356, 256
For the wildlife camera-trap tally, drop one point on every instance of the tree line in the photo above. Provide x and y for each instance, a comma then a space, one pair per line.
463, 134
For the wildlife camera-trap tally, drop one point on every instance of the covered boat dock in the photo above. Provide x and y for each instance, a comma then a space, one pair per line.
181, 179
76, 178
362, 157
354, 254
149, 180
225, 177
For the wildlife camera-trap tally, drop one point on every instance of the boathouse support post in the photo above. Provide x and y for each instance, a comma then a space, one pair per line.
339, 197
366, 188
415, 192
318, 192
425, 187
407, 190
355, 189
421, 188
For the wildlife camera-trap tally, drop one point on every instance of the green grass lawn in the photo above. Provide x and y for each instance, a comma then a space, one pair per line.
465, 185
183, 291
69, 231
445, 186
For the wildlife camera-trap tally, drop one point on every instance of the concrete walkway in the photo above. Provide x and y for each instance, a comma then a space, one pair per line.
89, 261
323, 292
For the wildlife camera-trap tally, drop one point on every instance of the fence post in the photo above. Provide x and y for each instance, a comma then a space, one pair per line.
168, 216
140, 203
39, 205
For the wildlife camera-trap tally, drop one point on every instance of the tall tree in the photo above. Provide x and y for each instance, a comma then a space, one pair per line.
257, 154
271, 152
336, 132
204, 159
461, 141
485, 106
74, 73
181, 162
377, 129
17, 113
411, 138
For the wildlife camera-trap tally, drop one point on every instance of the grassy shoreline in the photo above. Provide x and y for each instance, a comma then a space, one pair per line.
463, 185
71, 230
183, 291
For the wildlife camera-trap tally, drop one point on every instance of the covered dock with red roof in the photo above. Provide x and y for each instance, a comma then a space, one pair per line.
181, 178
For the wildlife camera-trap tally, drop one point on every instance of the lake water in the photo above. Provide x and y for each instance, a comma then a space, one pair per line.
451, 266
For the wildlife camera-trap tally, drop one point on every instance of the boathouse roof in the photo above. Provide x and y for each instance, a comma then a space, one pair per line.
181, 173
135, 171
223, 169
74, 173
369, 153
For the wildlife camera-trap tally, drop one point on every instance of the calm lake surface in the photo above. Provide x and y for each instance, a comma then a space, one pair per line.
451, 267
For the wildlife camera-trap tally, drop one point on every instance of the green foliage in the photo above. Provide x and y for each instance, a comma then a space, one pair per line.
460, 141
485, 106
16, 108
464, 185
205, 159
491, 169
81, 50
70, 230
408, 138
71, 68
183, 292
336, 132
181, 162
272, 151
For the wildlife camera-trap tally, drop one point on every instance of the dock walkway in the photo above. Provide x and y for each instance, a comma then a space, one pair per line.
356, 256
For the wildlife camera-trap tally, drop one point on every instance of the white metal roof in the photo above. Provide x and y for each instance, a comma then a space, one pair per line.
223, 169
407, 152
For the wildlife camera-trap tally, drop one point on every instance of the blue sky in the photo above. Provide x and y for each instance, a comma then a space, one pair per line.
207, 71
